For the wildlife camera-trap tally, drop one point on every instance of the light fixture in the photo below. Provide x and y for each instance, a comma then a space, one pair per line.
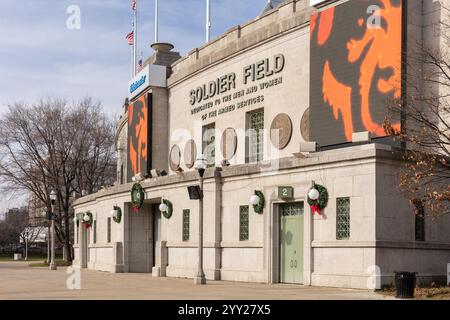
201, 164
163, 207
313, 194
114, 213
53, 196
254, 200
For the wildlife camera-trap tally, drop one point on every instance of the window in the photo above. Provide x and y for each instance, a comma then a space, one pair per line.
243, 223
78, 232
419, 221
255, 147
292, 209
209, 144
121, 174
95, 231
342, 218
186, 214
108, 238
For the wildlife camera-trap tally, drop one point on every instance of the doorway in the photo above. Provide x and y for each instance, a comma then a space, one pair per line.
291, 242
140, 245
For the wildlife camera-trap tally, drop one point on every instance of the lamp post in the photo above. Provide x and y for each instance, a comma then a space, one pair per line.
48, 237
200, 166
52, 217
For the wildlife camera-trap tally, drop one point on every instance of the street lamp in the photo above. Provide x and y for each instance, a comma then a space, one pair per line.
52, 217
46, 216
200, 166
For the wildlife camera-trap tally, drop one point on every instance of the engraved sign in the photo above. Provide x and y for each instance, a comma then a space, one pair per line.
286, 192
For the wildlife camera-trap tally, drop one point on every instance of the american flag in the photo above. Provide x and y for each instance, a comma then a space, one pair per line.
133, 5
140, 65
130, 38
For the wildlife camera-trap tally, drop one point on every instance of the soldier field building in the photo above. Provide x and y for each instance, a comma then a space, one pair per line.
300, 184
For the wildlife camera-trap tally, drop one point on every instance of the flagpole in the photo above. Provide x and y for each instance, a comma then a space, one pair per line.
132, 61
135, 40
156, 21
208, 19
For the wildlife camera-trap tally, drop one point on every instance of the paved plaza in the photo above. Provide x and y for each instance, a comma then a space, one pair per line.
19, 281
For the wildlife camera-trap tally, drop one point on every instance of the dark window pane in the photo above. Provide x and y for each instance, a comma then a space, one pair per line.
342, 218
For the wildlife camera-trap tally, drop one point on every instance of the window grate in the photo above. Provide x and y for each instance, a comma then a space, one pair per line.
108, 238
292, 209
419, 220
420, 227
186, 222
95, 231
342, 218
256, 147
243, 223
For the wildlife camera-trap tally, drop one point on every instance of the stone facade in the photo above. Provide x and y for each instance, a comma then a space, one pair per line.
382, 224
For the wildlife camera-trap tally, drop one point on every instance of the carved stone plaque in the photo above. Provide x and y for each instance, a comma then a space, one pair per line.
229, 143
304, 125
190, 152
175, 158
282, 125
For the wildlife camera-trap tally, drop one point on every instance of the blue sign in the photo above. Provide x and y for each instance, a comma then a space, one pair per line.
134, 86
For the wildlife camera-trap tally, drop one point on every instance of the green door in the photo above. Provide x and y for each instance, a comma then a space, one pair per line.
291, 242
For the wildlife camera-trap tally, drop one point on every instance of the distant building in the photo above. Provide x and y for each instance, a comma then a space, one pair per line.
36, 211
16, 215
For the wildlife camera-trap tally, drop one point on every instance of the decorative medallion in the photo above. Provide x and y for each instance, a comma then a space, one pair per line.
229, 143
190, 152
304, 125
282, 125
175, 158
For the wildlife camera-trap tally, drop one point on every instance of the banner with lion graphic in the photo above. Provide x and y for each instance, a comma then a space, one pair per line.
356, 68
139, 120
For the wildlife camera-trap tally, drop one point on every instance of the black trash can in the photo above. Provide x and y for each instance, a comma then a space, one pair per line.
405, 283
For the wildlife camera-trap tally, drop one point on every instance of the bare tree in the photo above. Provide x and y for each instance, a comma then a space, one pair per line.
53, 145
425, 178
11, 228
29, 235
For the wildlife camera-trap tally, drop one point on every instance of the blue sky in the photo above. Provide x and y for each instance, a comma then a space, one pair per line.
40, 56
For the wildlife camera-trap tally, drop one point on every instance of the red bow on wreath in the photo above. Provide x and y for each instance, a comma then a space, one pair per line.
136, 209
86, 225
315, 208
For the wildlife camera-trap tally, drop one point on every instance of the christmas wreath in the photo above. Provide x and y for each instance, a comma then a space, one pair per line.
167, 213
317, 198
260, 205
88, 218
137, 197
117, 216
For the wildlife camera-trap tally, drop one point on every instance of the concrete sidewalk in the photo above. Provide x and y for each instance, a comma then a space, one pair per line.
19, 281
